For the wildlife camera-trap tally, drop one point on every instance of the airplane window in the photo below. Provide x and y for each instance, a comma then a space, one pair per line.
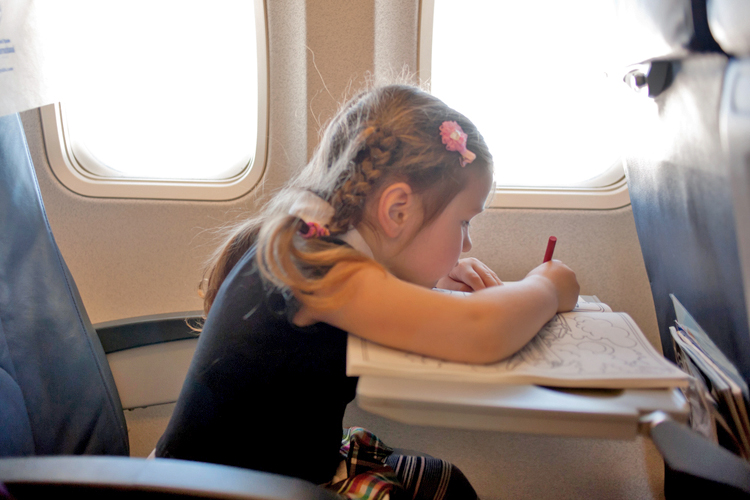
167, 96
533, 76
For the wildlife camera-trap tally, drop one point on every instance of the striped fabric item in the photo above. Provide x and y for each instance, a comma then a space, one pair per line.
426, 477
367, 475
370, 471
368, 486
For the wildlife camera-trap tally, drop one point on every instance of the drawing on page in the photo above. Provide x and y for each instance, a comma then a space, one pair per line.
584, 345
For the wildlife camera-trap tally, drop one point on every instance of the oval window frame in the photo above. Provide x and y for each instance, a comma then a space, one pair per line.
612, 195
74, 175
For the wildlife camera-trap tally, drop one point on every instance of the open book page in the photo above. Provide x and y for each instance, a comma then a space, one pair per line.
575, 349
584, 303
591, 306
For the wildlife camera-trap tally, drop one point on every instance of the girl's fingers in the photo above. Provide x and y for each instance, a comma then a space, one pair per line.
489, 277
474, 274
448, 283
468, 276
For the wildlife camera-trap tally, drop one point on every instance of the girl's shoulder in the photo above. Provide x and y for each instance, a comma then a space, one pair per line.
245, 290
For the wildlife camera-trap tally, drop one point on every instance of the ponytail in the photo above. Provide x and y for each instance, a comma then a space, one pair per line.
284, 258
306, 266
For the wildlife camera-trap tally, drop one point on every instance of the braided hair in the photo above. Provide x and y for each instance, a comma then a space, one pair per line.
383, 135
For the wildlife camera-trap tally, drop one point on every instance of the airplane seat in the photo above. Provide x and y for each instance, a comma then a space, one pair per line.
678, 173
54, 366
685, 152
729, 21
57, 393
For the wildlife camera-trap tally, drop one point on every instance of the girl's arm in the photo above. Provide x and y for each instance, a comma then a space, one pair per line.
487, 326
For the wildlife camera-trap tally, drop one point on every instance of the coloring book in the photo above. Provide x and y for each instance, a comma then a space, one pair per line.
589, 347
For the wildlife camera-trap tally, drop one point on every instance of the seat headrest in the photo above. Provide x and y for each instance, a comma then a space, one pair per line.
651, 30
654, 29
729, 21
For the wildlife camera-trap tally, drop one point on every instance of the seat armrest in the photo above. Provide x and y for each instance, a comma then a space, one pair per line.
141, 331
698, 464
103, 477
149, 355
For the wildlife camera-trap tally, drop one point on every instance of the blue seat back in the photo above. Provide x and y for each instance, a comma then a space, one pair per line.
57, 394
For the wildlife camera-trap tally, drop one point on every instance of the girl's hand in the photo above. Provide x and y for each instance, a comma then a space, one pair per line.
469, 275
563, 279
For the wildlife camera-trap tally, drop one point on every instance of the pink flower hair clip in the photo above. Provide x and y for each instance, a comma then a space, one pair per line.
314, 230
454, 139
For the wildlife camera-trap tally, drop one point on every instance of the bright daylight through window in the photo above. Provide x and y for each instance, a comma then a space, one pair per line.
533, 77
163, 89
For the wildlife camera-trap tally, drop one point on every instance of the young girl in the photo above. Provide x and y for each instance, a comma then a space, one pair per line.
353, 244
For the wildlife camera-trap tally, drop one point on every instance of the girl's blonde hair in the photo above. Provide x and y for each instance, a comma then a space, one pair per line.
382, 135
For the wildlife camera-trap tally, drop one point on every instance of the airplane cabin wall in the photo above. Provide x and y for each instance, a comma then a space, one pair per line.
140, 257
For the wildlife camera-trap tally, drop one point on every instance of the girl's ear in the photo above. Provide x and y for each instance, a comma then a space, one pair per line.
396, 208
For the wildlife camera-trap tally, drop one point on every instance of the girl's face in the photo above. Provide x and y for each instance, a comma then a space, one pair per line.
436, 248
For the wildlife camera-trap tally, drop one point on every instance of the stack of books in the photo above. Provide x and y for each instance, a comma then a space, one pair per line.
718, 394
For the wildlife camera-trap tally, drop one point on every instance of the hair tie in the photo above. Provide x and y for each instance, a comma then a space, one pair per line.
454, 139
314, 213
313, 230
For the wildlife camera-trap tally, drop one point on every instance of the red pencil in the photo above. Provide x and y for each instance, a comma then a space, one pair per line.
550, 249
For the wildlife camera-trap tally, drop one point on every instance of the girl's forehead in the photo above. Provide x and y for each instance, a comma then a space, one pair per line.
485, 183
476, 194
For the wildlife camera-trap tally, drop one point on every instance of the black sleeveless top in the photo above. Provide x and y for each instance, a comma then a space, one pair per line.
262, 393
